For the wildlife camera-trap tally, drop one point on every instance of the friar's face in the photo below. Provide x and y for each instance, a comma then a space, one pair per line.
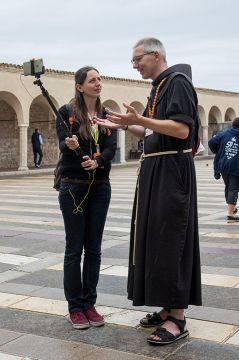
146, 62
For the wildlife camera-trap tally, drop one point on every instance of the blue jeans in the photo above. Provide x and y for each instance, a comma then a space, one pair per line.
84, 230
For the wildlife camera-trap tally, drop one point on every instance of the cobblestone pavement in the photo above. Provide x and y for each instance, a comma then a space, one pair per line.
33, 310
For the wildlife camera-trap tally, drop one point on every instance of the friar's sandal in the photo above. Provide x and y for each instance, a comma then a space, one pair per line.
152, 320
165, 337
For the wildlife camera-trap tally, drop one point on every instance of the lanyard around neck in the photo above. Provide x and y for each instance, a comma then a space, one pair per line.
94, 130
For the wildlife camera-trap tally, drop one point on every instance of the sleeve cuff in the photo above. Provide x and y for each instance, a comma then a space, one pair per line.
100, 160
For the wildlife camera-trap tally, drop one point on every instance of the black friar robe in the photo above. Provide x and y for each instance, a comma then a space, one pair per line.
164, 262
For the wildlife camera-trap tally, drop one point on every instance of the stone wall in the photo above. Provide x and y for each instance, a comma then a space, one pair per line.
9, 137
131, 144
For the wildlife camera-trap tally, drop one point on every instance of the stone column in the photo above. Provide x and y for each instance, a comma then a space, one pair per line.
205, 138
122, 145
23, 147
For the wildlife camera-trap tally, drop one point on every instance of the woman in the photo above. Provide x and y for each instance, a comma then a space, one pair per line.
84, 195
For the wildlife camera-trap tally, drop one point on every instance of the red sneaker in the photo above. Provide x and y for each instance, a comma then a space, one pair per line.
95, 319
78, 320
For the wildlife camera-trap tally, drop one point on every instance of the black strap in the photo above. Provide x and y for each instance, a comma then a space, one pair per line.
179, 323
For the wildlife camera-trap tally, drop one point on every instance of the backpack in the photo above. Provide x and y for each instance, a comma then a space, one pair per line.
57, 174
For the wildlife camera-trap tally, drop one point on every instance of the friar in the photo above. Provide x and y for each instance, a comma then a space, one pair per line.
164, 260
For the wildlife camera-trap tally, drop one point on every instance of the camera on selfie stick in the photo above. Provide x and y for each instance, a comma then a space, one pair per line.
36, 68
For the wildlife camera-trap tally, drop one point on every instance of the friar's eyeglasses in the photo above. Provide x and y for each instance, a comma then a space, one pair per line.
136, 59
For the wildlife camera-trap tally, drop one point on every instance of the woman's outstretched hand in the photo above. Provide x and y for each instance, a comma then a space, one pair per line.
105, 123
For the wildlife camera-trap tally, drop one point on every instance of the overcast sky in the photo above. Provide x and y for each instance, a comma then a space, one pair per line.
72, 33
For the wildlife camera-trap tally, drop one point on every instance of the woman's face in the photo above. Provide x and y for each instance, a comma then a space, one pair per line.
92, 85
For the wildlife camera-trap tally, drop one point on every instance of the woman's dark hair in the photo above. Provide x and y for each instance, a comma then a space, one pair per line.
235, 123
79, 108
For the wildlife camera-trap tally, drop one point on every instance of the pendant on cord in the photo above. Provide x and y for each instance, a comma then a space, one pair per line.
94, 131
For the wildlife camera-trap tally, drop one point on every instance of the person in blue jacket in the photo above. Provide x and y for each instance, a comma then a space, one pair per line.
225, 145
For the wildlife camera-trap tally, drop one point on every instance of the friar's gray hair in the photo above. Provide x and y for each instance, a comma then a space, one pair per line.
152, 44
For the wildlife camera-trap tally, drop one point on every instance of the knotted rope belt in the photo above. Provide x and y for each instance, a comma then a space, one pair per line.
142, 158
170, 152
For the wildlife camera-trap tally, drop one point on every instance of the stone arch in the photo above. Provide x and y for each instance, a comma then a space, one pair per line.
41, 117
111, 104
138, 106
230, 114
11, 114
214, 119
14, 102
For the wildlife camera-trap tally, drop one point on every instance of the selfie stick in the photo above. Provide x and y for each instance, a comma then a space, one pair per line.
63, 124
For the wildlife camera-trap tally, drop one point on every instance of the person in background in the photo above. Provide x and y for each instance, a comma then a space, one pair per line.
84, 195
37, 143
225, 144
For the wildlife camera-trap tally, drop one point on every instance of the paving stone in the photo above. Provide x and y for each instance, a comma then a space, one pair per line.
48, 278
44, 236
47, 254
110, 261
221, 250
205, 239
234, 340
112, 285
9, 299
16, 259
6, 336
10, 275
205, 350
219, 297
120, 251
209, 330
8, 249
20, 289
30, 246
47, 306
109, 354
210, 269
49, 293
6, 232
38, 265
112, 243
229, 271
230, 261
122, 302
4, 356
220, 280
47, 349
127, 317
116, 271
211, 314
5, 267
